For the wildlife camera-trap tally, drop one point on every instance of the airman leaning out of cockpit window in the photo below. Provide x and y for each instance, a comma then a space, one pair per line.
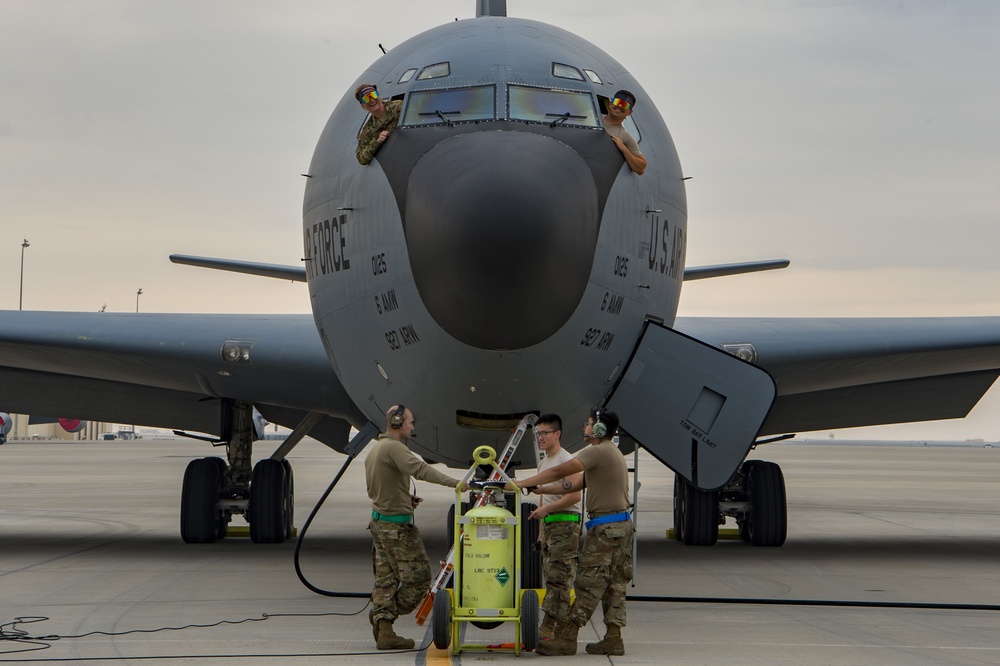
380, 124
620, 109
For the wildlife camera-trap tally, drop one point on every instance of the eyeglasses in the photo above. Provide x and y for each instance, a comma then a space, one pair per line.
544, 432
588, 424
623, 103
368, 98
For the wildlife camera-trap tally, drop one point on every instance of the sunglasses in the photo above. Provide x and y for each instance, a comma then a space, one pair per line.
625, 104
368, 98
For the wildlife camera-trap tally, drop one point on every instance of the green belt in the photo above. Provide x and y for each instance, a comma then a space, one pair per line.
402, 518
562, 517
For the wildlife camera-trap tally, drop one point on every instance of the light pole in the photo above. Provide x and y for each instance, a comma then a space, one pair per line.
20, 301
137, 295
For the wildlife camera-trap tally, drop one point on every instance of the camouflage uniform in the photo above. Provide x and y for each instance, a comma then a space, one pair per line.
560, 549
402, 573
560, 546
368, 143
399, 560
605, 570
606, 560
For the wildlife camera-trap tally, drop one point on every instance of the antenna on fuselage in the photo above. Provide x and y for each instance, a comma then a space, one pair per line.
491, 8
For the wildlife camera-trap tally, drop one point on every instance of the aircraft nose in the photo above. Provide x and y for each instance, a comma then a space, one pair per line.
501, 229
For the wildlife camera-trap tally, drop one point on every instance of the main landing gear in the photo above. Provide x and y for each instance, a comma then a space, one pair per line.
755, 497
213, 491
208, 502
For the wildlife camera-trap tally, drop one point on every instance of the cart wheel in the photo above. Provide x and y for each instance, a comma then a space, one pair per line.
529, 620
441, 619
531, 560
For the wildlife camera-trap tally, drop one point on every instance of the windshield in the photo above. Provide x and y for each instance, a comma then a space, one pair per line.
555, 107
446, 107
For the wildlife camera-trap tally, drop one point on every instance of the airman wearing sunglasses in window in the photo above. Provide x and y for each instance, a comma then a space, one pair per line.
380, 124
620, 109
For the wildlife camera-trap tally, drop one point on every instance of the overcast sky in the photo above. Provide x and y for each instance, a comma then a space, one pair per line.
860, 140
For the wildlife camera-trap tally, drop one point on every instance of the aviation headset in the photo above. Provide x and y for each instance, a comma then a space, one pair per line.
398, 417
600, 430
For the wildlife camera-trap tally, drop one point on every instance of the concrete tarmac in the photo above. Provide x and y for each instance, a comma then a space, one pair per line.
89, 541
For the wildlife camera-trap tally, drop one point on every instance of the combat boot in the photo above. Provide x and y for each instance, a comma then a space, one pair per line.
548, 627
371, 621
611, 644
388, 640
563, 641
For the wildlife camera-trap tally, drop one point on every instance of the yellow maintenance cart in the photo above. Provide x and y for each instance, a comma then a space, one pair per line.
487, 584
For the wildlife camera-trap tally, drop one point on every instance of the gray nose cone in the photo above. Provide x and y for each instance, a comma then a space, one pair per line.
501, 248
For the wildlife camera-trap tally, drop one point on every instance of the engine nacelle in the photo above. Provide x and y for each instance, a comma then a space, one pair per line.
6, 423
72, 425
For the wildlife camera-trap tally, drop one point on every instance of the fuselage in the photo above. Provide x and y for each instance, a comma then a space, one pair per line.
498, 256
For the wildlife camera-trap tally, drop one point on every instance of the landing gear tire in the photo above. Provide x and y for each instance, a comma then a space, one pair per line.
767, 517
270, 507
223, 517
291, 497
200, 491
696, 512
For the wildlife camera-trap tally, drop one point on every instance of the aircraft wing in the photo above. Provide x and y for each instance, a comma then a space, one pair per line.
840, 373
171, 370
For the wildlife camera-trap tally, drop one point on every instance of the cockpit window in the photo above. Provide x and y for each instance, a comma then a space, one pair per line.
594, 76
435, 71
407, 75
555, 107
446, 107
632, 129
566, 71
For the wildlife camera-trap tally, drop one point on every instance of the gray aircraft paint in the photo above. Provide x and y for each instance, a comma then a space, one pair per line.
169, 371
628, 273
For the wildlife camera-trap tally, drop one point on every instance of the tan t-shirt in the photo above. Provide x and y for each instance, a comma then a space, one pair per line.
606, 474
625, 136
388, 469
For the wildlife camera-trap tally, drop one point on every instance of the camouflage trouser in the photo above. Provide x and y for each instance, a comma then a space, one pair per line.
605, 569
560, 550
402, 573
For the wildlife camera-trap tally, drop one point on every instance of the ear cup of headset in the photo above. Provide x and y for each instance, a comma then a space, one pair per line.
600, 430
397, 418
